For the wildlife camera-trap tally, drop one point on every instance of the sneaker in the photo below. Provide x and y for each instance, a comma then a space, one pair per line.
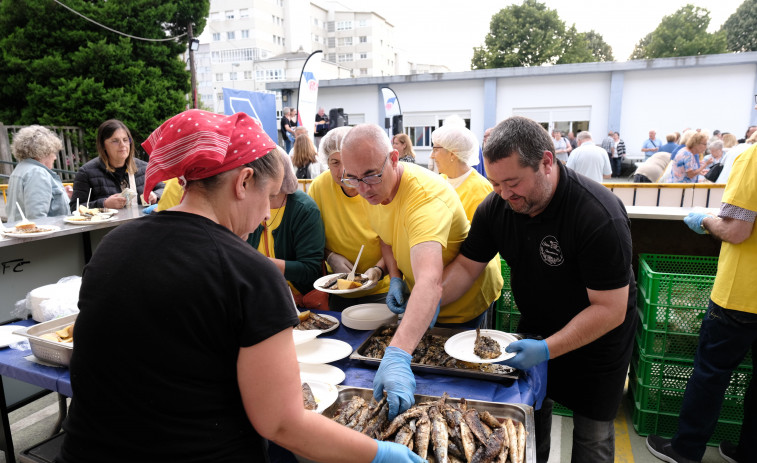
728, 451
663, 449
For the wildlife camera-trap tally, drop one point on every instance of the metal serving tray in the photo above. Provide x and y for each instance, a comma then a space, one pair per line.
58, 353
517, 412
507, 377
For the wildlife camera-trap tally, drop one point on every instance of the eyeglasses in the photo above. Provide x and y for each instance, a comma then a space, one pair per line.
117, 142
368, 179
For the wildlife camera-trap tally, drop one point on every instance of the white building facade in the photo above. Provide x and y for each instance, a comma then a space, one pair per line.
666, 95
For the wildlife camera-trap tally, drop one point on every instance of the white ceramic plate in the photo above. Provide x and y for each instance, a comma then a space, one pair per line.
328, 330
324, 394
460, 346
318, 284
303, 336
322, 351
7, 337
367, 316
328, 374
47, 230
72, 220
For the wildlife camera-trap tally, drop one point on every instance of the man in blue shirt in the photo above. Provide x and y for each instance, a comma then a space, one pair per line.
651, 145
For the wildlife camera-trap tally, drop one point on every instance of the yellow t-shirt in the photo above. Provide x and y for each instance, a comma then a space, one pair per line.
426, 208
171, 196
472, 191
346, 225
734, 286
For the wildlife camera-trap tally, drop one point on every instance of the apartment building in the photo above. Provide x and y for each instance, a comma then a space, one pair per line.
248, 43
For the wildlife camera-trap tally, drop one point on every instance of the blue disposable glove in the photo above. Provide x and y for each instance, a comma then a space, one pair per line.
395, 298
529, 352
694, 221
149, 209
394, 376
390, 452
436, 314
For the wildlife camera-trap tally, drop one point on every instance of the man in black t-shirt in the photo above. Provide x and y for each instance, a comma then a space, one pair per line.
567, 241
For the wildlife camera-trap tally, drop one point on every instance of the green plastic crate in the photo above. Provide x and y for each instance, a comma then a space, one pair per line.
562, 410
507, 314
658, 385
673, 292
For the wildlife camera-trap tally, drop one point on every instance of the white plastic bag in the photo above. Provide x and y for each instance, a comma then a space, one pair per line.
50, 301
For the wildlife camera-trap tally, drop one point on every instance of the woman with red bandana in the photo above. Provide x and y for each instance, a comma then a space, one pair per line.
198, 363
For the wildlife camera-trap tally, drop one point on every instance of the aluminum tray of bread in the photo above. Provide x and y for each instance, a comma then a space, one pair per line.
430, 357
44, 348
502, 430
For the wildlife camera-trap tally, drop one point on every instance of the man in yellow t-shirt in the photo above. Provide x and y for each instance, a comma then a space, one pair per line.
729, 328
421, 223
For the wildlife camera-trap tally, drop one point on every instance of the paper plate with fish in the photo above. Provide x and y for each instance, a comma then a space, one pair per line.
337, 283
480, 346
318, 396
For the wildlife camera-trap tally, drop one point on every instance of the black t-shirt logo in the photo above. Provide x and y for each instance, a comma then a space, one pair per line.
550, 251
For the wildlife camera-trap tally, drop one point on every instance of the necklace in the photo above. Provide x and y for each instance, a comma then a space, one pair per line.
278, 210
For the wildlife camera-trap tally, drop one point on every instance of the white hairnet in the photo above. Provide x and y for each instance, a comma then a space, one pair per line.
331, 143
458, 140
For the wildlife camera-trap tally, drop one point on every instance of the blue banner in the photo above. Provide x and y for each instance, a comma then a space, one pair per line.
261, 106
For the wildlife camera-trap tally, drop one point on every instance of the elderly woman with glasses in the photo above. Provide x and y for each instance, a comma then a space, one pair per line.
347, 227
686, 166
33, 184
454, 146
116, 175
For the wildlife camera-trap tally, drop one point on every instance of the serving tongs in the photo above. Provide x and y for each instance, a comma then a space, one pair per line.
351, 276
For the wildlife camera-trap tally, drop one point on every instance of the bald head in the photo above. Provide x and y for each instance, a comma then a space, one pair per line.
370, 163
367, 134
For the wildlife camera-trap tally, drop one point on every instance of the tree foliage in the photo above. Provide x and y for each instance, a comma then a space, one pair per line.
741, 28
530, 34
60, 69
683, 33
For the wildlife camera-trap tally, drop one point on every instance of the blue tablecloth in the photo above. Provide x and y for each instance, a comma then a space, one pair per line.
14, 364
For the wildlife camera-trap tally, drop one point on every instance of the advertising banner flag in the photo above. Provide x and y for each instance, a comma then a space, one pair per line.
307, 96
261, 106
392, 111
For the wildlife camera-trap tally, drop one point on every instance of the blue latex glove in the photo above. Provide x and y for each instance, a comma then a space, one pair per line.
389, 452
395, 298
694, 221
529, 352
436, 314
149, 209
394, 376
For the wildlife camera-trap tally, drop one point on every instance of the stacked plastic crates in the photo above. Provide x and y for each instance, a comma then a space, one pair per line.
508, 316
672, 297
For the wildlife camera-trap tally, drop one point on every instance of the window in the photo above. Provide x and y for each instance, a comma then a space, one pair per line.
219, 77
232, 76
363, 39
238, 54
343, 25
245, 33
331, 42
315, 22
363, 71
247, 75
343, 57
219, 97
230, 35
229, 14
362, 23
363, 55
215, 15
244, 13
316, 39
216, 36
331, 57
420, 135
330, 26
345, 41
283, 42
269, 74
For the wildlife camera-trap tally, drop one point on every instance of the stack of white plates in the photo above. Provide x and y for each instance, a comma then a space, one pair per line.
367, 316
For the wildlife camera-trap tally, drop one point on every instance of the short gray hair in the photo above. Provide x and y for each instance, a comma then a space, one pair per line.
35, 142
522, 136
717, 145
583, 135
332, 143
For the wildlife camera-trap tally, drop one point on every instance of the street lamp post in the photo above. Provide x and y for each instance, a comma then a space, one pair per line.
194, 44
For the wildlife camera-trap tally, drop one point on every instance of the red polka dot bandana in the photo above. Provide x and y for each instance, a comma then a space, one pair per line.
198, 144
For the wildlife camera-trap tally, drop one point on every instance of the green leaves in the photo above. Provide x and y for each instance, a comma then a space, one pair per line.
530, 34
59, 69
741, 28
683, 33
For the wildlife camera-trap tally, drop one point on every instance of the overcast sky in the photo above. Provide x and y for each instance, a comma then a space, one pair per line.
445, 32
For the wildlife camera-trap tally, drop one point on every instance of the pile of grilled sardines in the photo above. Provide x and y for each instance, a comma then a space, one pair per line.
439, 431
430, 351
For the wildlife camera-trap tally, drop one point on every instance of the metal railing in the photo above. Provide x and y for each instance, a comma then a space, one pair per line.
68, 161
